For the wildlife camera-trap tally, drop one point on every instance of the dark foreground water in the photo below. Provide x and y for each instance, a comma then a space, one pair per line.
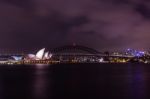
76, 81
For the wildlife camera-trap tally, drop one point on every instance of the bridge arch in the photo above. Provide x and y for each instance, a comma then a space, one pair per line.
75, 49
76, 53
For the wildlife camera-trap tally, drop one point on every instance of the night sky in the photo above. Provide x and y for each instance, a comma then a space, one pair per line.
100, 24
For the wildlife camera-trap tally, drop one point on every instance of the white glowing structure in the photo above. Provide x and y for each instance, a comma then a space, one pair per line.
50, 55
40, 55
101, 60
32, 56
17, 58
46, 55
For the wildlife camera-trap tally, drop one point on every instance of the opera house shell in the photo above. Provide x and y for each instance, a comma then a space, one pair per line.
40, 55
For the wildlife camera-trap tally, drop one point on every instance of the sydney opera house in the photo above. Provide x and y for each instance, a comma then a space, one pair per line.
40, 55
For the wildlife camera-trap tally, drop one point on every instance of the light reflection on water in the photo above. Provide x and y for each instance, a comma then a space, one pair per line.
75, 81
41, 66
40, 82
136, 82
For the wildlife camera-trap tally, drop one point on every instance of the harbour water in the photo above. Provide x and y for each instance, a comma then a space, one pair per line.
75, 81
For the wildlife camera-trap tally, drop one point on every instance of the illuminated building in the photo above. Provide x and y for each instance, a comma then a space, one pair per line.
40, 55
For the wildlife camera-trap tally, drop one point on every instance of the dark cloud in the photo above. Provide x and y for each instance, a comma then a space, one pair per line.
101, 24
19, 3
143, 10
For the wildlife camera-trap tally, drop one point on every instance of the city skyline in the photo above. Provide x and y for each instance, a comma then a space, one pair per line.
75, 54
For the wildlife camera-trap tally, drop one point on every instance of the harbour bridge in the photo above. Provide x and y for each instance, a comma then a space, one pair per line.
81, 53
78, 50
75, 53
75, 50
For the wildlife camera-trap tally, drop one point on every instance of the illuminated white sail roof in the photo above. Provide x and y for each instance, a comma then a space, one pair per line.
40, 54
31, 56
50, 55
46, 55
17, 58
